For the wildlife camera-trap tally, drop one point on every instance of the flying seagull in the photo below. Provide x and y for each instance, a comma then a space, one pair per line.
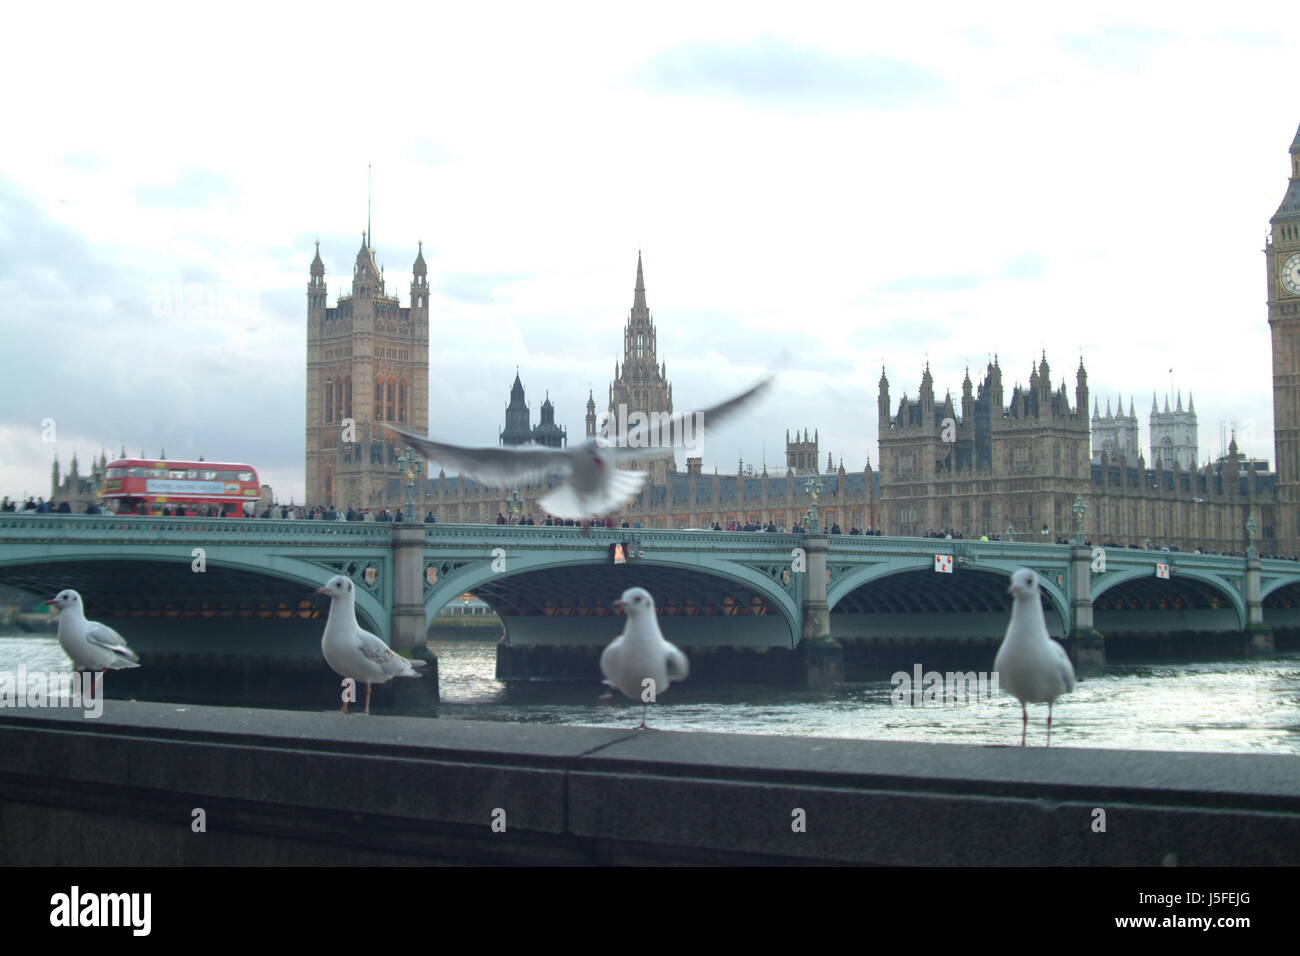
91, 645
641, 654
592, 483
1030, 665
353, 652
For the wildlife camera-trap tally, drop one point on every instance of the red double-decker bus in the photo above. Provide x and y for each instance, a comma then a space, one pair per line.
140, 486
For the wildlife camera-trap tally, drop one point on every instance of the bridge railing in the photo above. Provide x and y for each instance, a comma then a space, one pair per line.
28, 527
705, 540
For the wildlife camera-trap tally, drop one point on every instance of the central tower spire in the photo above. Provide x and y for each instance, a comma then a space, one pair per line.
638, 300
640, 386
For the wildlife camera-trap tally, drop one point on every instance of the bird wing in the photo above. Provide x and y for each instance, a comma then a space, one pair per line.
106, 637
1067, 669
492, 465
383, 656
609, 657
638, 439
619, 487
678, 666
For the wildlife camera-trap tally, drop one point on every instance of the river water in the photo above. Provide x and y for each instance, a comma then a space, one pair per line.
1234, 706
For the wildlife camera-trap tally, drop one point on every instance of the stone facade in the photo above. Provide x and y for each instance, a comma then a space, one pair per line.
641, 386
1282, 259
1173, 433
1115, 434
367, 365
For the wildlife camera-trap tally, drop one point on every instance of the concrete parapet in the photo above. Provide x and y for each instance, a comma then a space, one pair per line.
281, 787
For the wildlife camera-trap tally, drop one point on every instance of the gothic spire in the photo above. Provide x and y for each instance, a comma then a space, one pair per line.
638, 300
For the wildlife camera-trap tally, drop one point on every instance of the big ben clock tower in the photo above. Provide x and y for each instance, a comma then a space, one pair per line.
1283, 257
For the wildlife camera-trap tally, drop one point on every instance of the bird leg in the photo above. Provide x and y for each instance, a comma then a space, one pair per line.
344, 708
1049, 723
368, 687
1024, 722
644, 707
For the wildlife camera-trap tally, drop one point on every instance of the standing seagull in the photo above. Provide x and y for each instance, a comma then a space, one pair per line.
1030, 665
353, 652
592, 483
91, 645
641, 653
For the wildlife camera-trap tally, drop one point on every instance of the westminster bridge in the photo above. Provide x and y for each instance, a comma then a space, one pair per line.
192, 593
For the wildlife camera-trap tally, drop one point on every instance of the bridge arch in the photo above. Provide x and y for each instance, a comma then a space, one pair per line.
985, 594
1192, 599
158, 585
544, 596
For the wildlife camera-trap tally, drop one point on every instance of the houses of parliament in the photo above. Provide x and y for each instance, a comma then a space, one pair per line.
986, 463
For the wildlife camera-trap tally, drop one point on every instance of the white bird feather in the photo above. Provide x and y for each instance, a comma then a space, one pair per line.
90, 645
350, 650
641, 653
1031, 666
591, 483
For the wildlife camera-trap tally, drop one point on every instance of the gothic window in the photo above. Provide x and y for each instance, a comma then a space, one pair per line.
347, 402
401, 402
379, 400
1020, 458
1056, 459
329, 401
907, 465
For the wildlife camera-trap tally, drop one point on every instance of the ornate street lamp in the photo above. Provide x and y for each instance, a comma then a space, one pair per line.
1080, 509
412, 465
515, 504
813, 487
1011, 532
1251, 551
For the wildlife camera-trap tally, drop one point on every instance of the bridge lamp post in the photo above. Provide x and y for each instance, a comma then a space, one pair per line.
1080, 509
1251, 526
515, 504
1011, 532
813, 487
411, 464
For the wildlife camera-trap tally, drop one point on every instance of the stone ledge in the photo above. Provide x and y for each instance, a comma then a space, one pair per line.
285, 787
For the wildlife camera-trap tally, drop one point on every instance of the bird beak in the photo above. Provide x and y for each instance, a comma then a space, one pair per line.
1014, 589
322, 591
620, 604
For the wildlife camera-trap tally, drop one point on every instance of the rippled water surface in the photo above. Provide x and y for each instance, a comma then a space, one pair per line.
1224, 706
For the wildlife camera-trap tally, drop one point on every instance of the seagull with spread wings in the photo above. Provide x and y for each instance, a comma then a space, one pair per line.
593, 484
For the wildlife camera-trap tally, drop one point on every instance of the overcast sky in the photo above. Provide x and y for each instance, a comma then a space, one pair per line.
846, 184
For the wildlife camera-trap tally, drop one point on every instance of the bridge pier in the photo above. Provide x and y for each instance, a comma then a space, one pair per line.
821, 656
1087, 643
407, 626
1261, 636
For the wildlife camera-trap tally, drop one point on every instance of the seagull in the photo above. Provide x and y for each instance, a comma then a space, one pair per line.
91, 645
592, 483
640, 653
1030, 665
353, 652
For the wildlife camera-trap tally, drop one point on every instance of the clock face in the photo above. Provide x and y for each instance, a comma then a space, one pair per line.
1291, 274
